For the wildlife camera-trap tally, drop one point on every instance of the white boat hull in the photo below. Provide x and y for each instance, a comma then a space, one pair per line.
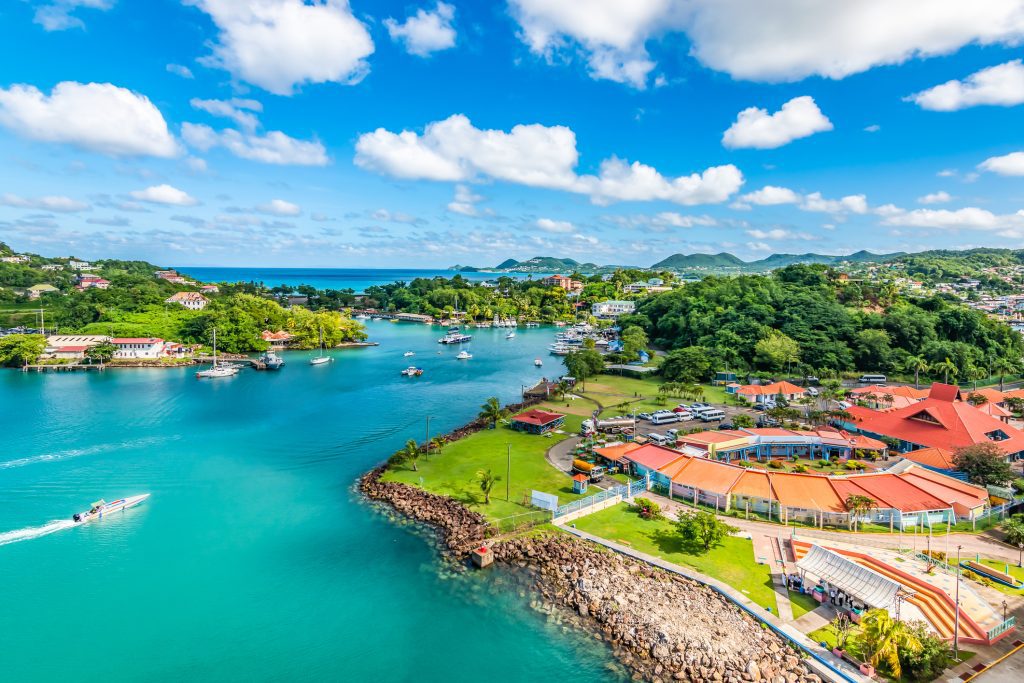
108, 508
321, 360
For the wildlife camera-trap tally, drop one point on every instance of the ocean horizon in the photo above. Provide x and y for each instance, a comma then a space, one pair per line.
356, 279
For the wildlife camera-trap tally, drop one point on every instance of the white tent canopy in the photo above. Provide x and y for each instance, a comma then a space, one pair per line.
866, 585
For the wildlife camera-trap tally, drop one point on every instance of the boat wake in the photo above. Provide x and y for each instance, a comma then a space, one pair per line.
76, 452
28, 533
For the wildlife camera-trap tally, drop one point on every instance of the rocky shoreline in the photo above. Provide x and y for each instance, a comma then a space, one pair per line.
661, 626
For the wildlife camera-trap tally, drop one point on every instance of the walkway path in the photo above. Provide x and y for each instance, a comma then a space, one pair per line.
824, 663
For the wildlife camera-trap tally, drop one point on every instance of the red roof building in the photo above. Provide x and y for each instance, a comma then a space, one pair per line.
537, 421
758, 393
942, 420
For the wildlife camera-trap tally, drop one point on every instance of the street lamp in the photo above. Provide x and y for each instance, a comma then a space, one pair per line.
1020, 553
508, 471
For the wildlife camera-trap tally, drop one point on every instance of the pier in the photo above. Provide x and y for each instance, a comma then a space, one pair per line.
63, 367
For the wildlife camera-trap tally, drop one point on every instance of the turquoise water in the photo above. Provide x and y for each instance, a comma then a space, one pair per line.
356, 279
253, 560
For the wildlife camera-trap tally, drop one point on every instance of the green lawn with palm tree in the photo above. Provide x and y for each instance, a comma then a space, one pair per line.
731, 562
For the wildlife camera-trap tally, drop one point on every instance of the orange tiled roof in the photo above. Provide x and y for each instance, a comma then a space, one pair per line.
773, 389
614, 452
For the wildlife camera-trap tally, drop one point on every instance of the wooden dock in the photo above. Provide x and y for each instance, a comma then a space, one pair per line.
63, 367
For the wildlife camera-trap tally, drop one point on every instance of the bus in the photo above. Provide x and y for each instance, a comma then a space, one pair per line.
872, 379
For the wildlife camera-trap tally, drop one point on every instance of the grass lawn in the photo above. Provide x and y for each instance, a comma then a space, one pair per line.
732, 562
1015, 571
612, 390
802, 603
452, 472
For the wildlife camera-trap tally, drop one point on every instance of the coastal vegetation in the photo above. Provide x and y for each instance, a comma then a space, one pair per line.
804, 319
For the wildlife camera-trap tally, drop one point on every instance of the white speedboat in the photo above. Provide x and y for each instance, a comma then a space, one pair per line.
412, 371
102, 507
510, 335
409, 353
538, 362
464, 355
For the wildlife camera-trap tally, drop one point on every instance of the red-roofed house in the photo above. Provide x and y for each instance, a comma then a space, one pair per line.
649, 458
759, 393
537, 421
942, 420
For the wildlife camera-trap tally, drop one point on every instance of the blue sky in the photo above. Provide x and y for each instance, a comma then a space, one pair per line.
375, 134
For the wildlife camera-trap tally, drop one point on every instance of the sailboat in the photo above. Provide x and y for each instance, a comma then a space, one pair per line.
321, 359
217, 370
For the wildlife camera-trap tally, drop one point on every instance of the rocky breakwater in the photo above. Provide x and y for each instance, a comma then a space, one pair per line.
459, 527
662, 626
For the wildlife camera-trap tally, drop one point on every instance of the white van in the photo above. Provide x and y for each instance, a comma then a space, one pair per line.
664, 418
712, 415
872, 379
659, 439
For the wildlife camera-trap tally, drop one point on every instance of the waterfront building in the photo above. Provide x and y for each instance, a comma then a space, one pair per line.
138, 347
563, 281
612, 308
194, 301
537, 421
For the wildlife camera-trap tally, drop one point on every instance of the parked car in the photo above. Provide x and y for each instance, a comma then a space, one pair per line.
765, 421
685, 416
811, 379
759, 406
644, 416
672, 432
726, 425
683, 406
811, 391
700, 405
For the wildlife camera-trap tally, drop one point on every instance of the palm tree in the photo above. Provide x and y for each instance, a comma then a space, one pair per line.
947, 368
410, 453
1003, 366
888, 399
492, 411
916, 365
487, 480
883, 639
858, 505
436, 444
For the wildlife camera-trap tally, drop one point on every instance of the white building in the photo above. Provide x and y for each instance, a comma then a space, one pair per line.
193, 301
138, 347
17, 258
51, 266
612, 309
79, 265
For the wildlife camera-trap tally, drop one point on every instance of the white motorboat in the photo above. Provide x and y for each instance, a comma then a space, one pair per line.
455, 338
464, 355
538, 362
412, 371
101, 508
510, 335
216, 370
409, 353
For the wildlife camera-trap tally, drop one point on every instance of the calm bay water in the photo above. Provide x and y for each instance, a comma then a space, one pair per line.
253, 560
357, 279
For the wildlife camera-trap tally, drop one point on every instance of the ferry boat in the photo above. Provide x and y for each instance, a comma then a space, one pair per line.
455, 338
101, 507
271, 360
412, 371
464, 355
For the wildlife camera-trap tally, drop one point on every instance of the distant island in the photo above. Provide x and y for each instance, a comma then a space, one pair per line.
723, 262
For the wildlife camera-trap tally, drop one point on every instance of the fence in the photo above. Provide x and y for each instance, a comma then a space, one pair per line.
1002, 628
522, 520
620, 491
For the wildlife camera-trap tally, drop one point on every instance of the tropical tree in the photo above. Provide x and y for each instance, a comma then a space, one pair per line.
101, 353
487, 479
842, 627
928, 663
21, 349
858, 505
1003, 365
883, 639
916, 365
742, 421
984, 463
776, 351
1014, 529
410, 453
436, 444
492, 411
583, 364
703, 527
947, 368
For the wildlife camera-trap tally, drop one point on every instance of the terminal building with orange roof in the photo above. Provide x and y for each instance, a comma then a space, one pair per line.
770, 442
943, 420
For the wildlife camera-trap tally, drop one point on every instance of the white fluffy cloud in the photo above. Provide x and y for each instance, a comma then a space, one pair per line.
755, 127
58, 15
100, 117
1008, 164
970, 217
784, 40
273, 147
238, 110
1001, 85
770, 195
280, 207
549, 225
54, 203
778, 234
164, 194
280, 44
940, 197
180, 70
531, 155
465, 201
854, 203
425, 32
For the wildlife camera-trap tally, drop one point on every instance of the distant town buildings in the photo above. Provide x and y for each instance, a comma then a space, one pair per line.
138, 347
91, 281
79, 265
171, 276
563, 281
17, 258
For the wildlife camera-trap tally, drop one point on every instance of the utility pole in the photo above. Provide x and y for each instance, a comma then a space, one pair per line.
426, 439
508, 471
956, 622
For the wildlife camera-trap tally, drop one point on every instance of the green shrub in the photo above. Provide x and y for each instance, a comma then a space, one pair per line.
647, 508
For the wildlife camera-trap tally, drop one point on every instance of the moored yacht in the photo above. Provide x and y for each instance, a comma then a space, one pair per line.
464, 355
454, 338
271, 360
